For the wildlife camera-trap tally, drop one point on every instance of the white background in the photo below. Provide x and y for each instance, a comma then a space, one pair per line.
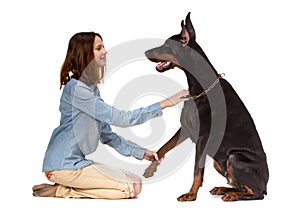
256, 43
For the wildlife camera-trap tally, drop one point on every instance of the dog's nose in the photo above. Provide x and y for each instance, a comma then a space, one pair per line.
147, 53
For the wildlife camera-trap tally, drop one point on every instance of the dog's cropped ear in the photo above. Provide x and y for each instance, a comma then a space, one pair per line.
189, 26
185, 37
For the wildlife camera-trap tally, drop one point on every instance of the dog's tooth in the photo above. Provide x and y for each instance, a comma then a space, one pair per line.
166, 63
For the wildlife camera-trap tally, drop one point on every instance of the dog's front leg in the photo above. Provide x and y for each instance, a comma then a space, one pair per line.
178, 138
197, 182
199, 165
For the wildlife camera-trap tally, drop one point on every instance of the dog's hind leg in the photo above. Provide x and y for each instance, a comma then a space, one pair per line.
245, 179
177, 139
220, 190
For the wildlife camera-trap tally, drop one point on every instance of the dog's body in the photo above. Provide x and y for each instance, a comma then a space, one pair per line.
235, 147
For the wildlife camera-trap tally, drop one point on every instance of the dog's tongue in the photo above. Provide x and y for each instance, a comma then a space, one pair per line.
163, 65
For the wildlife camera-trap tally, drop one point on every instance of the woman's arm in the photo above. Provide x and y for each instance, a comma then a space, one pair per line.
123, 146
85, 100
175, 99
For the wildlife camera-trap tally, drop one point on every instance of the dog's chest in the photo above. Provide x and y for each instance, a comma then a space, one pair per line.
190, 121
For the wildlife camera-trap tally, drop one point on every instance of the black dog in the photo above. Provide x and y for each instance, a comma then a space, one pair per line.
215, 119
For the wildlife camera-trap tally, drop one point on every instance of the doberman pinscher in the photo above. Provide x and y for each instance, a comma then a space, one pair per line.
215, 119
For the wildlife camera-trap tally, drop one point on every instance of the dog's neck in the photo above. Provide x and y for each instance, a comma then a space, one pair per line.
194, 86
199, 71
198, 82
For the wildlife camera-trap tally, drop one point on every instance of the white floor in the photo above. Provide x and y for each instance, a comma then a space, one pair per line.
158, 200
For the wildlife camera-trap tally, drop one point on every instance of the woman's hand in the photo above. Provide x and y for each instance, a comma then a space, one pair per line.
150, 155
175, 99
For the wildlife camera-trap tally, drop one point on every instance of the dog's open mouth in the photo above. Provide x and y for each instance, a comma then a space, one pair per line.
163, 65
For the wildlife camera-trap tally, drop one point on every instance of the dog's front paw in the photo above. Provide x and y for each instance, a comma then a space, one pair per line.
190, 196
151, 169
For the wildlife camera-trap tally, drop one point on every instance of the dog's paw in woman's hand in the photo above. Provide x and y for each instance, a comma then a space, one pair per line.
151, 169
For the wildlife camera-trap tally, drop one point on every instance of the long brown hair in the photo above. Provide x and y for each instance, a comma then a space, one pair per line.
79, 55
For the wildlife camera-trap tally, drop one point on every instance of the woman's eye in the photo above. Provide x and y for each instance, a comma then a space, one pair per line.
99, 48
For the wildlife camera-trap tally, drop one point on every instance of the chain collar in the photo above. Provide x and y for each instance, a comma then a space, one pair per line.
208, 89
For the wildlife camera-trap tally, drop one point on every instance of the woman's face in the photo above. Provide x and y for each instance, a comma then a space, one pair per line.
99, 51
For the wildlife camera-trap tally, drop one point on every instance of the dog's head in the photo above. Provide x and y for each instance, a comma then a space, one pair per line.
175, 49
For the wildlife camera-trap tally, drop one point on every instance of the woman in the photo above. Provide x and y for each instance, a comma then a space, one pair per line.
85, 120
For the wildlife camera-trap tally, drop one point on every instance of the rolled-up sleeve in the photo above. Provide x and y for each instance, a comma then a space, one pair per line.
123, 146
94, 106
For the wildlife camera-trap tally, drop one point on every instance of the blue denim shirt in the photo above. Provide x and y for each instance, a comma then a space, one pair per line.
85, 120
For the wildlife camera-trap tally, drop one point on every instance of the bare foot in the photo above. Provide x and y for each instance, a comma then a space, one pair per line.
44, 190
136, 182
